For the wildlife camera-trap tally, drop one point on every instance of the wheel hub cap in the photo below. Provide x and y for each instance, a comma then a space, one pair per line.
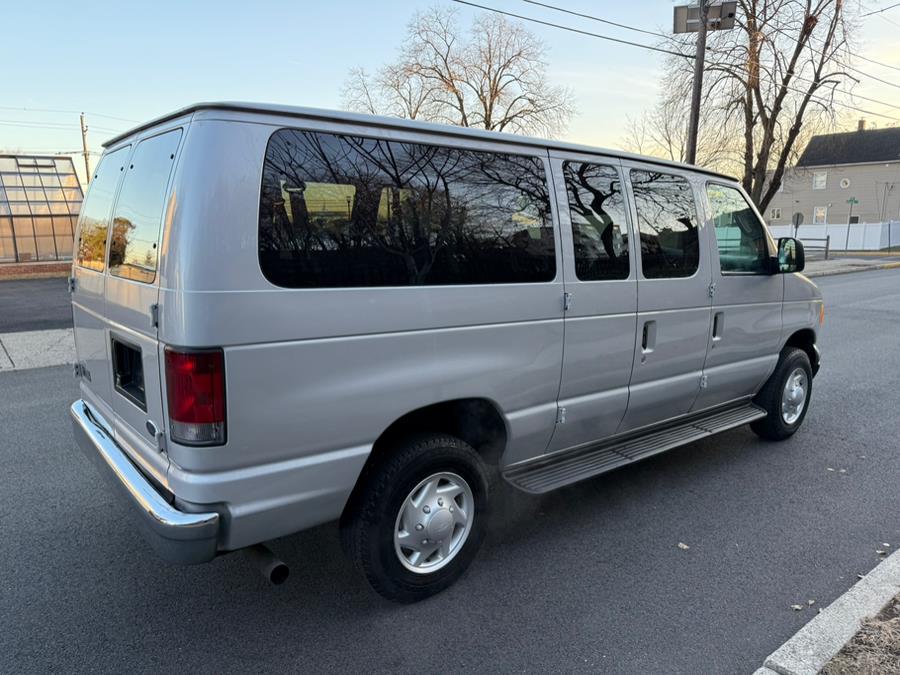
439, 525
433, 523
793, 398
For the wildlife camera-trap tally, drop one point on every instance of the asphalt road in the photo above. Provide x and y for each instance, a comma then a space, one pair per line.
34, 304
589, 578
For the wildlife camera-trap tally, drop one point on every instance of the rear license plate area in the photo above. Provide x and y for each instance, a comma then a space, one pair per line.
128, 372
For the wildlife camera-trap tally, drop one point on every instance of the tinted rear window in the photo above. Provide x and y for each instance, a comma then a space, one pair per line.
348, 211
91, 245
139, 209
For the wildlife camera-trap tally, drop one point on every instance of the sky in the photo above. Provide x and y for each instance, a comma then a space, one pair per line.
122, 63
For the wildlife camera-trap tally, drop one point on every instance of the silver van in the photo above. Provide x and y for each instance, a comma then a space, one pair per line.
286, 316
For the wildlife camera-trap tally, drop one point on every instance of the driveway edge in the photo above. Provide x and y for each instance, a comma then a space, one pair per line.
817, 642
883, 266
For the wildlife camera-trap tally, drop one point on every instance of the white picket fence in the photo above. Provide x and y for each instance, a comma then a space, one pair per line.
862, 236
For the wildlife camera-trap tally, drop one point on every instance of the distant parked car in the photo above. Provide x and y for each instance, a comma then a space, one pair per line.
285, 317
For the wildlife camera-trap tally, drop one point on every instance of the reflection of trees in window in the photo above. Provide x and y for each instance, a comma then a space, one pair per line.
92, 243
350, 211
597, 211
95, 212
667, 222
118, 241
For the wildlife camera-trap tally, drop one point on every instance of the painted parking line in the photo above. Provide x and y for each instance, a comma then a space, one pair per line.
36, 349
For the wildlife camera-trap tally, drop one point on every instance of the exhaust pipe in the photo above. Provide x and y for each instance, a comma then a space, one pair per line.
270, 566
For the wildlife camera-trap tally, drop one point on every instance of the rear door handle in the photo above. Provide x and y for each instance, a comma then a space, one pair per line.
718, 326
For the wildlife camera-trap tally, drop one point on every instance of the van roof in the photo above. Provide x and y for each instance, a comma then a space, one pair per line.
397, 123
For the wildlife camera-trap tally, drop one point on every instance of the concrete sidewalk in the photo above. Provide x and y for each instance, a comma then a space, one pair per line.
36, 349
845, 264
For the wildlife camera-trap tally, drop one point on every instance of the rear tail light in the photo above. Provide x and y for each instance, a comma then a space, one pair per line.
195, 386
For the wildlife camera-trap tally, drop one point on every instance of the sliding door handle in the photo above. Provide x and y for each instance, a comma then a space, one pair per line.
648, 337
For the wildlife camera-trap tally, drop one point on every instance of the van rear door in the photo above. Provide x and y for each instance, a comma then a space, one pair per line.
89, 284
132, 294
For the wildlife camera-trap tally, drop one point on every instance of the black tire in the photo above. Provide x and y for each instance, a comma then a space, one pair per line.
772, 427
367, 526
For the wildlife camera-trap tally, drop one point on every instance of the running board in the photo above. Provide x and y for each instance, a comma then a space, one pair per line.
570, 466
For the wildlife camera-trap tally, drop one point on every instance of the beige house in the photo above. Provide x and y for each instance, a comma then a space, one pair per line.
862, 166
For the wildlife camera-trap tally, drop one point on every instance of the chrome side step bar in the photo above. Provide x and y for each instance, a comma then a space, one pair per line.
544, 474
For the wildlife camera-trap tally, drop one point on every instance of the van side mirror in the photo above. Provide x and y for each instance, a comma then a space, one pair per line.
791, 257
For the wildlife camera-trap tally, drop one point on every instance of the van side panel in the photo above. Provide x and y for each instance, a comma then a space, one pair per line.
600, 326
675, 312
802, 303
316, 374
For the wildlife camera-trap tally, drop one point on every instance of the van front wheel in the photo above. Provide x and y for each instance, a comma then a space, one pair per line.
419, 517
785, 396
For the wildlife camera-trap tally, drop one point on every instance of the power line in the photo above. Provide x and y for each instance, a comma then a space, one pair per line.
872, 77
853, 95
61, 126
576, 30
853, 55
877, 63
639, 30
890, 21
878, 11
67, 112
826, 102
52, 151
595, 18
821, 46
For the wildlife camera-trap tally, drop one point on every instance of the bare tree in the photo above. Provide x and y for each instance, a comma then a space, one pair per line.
493, 77
772, 80
662, 130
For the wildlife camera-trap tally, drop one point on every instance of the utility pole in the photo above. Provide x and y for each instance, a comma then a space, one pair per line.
710, 15
697, 92
851, 202
84, 148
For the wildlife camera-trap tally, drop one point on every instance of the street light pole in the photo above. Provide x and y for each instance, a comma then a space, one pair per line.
697, 92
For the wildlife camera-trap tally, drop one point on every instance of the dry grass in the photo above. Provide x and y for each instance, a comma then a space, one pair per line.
874, 649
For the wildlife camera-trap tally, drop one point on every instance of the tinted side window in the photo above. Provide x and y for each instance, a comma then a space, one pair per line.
95, 211
339, 211
597, 211
667, 220
740, 237
139, 210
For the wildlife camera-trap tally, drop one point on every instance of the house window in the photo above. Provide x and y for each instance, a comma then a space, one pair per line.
854, 220
820, 215
776, 214
820, 180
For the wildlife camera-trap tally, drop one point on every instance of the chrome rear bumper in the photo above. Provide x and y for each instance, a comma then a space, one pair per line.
175, 535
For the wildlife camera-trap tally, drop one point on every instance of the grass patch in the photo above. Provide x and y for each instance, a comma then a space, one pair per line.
874, 649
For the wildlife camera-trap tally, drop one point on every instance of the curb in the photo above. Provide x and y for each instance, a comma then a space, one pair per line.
813, 646
883, 266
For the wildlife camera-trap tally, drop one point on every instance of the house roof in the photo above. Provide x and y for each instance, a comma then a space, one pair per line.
853, 147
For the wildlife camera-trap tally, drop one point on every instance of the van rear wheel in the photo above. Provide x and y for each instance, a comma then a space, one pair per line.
785, 396
418, 518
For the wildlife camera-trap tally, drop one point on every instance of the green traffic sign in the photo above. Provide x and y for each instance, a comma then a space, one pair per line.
853, 200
